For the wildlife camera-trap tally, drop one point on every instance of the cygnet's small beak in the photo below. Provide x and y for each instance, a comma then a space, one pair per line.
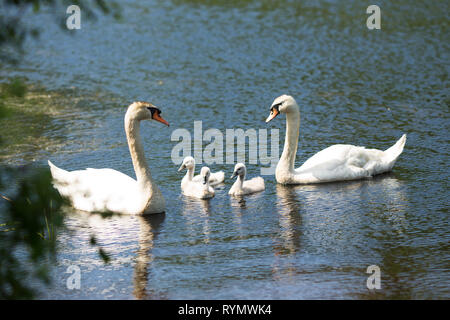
181, 167
233, 175
205, 179
273, 113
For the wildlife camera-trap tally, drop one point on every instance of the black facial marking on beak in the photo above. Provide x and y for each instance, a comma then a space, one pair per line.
156, 115
274, 111
153, 110
276, 106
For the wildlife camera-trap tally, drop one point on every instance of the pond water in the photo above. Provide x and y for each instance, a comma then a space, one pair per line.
223, 63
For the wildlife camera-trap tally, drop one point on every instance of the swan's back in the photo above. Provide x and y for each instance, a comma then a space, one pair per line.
95, 189
197, 189
253, 185
348, 162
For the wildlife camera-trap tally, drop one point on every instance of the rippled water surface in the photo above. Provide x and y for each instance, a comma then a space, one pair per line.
223, 63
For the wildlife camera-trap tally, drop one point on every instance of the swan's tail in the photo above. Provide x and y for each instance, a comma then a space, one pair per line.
391, 154
59, 175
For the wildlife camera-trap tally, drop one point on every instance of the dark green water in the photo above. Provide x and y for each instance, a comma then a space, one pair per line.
223, 63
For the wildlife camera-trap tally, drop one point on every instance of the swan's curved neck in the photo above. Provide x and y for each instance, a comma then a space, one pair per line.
132, 129
240, 181
190, 173
287, 158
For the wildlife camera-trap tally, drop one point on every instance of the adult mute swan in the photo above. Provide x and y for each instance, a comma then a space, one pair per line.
336, 163
199, 189
241, 186
189, 164
108, 190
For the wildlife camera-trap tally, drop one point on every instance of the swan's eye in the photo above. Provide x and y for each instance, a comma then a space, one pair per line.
276, 107
153, 110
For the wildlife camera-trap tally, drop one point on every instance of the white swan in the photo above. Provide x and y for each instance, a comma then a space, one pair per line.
199, 189
242, 186
189, 164
108, 190
336, 163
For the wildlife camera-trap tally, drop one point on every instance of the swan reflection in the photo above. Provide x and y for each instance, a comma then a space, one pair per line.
347, 221
117, 236
289, 209
196, 212
241, 206
335, 216
149, 226
238, 204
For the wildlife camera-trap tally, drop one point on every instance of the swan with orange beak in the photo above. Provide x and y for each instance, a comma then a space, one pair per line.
338, 162
108, 190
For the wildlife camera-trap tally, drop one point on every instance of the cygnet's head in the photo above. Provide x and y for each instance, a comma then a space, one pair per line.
188, 163
205, 173
282, 104
141, 110
239, 170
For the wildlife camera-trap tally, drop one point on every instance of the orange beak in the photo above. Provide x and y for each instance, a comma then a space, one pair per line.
157, 117
273, 113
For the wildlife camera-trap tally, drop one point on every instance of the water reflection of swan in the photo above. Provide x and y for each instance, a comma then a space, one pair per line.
238, 204
117, 236
246, 210
149, 226
290, 219
348, 224
335, 217
196, 213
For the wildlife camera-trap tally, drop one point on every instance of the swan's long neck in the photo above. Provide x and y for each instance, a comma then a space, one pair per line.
240, 181
132, 129
190, 173
287, 158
